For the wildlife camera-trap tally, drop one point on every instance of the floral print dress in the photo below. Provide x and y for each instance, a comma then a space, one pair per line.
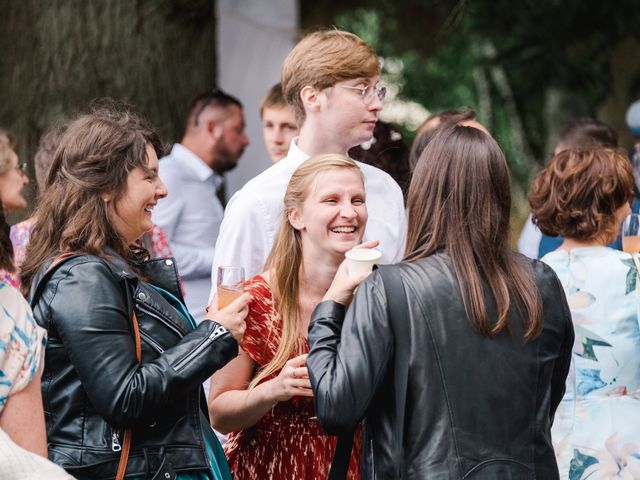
22, 343
596, 432
287, 443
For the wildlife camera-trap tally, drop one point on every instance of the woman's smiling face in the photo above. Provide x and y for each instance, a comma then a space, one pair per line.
131, 213
333, 215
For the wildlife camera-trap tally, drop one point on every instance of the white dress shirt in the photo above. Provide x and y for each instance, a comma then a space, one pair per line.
190, 215
253, 215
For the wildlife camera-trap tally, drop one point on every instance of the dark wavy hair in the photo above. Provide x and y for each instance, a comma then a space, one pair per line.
459, 202
577, 194
94, 157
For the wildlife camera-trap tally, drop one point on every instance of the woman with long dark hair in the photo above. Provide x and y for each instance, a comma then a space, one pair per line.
487, 334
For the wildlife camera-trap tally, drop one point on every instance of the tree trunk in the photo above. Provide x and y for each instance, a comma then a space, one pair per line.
58, 55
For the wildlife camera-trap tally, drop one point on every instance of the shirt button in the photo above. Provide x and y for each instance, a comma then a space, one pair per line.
168, 262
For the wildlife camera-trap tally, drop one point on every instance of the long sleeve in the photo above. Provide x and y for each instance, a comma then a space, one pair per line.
88, 312
348, 359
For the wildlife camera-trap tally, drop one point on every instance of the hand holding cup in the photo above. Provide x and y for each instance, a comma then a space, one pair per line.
352, 272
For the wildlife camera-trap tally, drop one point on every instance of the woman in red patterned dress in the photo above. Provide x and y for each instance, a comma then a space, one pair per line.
264, 396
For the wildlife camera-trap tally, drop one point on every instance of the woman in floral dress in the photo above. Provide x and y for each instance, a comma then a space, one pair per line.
583, 195
264, 396
12, 182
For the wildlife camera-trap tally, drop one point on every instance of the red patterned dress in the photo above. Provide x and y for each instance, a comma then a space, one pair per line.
287, 443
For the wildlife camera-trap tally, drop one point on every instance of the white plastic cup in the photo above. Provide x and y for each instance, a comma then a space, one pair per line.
362, 260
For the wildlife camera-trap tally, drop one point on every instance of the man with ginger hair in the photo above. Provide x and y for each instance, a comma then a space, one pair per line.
330, 81
279, 125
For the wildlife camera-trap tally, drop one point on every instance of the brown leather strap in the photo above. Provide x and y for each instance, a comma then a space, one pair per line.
57, 260
126, 444
136, 336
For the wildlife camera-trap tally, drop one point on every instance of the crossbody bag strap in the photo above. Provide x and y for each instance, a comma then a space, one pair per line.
398, 311
341, 456
128, 433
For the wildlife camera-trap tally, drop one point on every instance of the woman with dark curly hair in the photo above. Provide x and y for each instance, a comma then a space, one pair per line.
583, 196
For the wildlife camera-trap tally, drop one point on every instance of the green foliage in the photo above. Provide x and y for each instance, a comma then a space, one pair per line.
505, 59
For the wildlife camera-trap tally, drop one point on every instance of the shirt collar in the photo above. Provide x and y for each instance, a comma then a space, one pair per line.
195, 164
295, 156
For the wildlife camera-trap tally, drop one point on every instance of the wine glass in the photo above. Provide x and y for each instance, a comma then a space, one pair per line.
230, 284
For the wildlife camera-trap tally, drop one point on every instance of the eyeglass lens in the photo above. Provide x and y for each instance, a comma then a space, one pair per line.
369, 92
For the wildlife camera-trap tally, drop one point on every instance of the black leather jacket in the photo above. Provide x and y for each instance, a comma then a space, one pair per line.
475, 408
92, 385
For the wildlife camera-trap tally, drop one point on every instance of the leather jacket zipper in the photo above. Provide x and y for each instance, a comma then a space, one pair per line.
217, 332
162, 320
115, 442
147, 338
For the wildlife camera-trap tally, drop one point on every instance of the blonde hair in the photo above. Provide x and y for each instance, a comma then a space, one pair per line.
320, 60
285, 258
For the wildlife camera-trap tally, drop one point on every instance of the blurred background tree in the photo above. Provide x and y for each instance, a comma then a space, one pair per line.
525, 67
59, 55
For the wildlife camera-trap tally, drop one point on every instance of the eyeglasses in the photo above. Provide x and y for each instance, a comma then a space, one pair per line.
367, 92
